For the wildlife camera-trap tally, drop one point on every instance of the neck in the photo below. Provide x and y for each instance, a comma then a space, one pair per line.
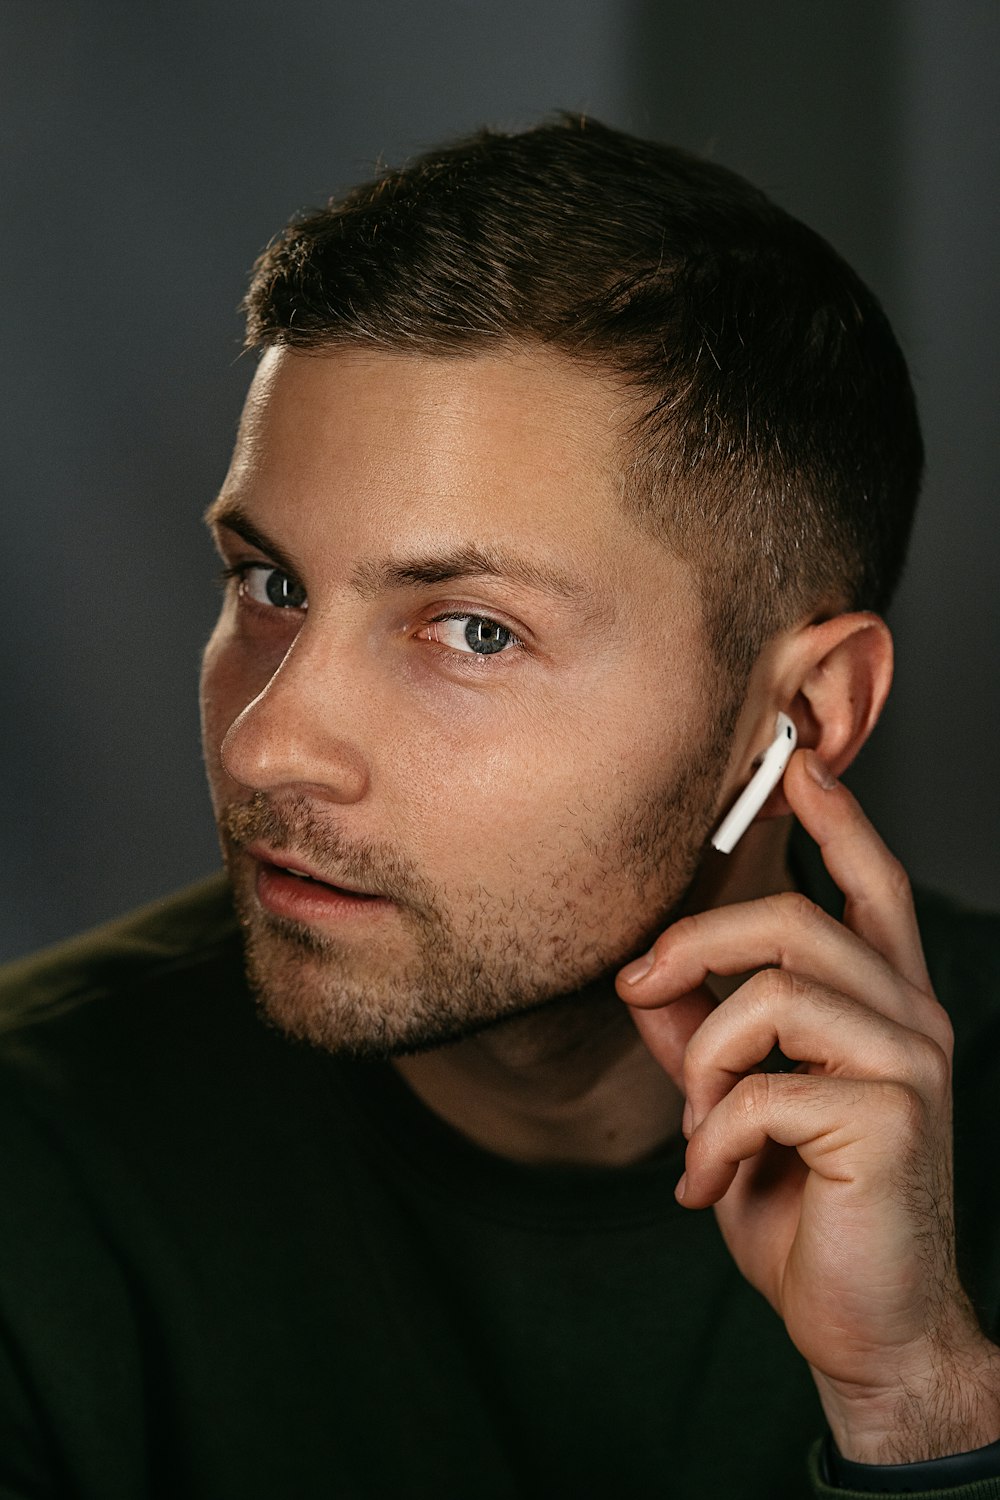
571, 1083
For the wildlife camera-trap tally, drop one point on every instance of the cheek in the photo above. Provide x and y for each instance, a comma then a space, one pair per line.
503, 797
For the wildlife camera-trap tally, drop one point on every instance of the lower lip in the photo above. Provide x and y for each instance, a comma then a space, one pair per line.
286, 895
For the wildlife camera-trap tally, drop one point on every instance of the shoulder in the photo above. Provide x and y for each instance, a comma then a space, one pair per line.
105, 1040
169, 940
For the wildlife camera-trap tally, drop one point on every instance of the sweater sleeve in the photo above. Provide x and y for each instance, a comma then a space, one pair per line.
959, 1478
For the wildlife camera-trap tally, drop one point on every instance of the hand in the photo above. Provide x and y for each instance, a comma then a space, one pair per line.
832, 1182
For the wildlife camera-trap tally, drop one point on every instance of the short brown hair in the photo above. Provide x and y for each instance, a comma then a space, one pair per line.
777, 445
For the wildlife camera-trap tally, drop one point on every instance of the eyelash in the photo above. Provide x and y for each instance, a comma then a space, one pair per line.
516, 643
239, 572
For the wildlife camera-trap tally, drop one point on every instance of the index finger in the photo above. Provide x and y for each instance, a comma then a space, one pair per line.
879, 902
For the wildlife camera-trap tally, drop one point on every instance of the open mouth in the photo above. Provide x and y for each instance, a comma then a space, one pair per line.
288, 886
301, 875
323, 885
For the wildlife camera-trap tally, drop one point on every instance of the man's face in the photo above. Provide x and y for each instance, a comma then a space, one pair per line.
451, 675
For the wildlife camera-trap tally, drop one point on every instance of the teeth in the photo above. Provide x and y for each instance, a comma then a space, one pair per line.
297, 873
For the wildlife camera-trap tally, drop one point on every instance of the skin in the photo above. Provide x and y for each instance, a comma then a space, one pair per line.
539, 816
370, 741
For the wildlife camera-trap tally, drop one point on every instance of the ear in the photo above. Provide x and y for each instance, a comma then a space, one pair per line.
834, 678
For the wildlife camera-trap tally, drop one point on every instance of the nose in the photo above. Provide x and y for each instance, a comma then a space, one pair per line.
301, 733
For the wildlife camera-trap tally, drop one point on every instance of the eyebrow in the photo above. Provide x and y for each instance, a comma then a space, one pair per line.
231, 515
373, 577
466, 561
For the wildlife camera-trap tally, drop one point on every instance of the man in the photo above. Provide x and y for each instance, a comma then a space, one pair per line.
569, 464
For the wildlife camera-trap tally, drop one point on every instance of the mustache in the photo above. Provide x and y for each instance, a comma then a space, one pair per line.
294, 826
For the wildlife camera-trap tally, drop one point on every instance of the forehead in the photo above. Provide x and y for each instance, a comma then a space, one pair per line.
519, 419
367, 454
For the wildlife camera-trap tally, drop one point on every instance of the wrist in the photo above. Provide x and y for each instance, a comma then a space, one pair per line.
943, 1404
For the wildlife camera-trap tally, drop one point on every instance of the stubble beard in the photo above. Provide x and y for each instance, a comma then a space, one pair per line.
481, 955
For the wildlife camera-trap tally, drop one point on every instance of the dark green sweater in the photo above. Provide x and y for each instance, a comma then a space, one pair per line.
235, 1268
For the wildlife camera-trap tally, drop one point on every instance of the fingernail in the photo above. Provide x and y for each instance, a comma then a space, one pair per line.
637, 969
681, 1188
820, 772
688, 1120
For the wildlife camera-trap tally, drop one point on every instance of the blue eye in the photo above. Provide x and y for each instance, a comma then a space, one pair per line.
263, 584
486, 636
473, 633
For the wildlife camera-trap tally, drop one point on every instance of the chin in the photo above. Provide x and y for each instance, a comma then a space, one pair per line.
364, 1028
308, 992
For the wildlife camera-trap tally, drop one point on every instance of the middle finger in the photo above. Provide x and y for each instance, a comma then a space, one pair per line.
815, 1025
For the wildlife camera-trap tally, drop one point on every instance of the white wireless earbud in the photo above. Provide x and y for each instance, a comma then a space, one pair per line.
763, 782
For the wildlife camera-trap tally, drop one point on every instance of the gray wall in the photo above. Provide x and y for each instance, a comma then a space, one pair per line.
149, 151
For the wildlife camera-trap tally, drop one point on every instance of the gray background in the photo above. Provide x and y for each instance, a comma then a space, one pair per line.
149, 150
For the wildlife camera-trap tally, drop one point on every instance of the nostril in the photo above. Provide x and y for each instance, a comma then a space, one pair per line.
274, 745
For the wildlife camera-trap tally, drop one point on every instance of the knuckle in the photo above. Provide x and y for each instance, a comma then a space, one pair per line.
944, 1034
772, 987
897, 881
791, 908
933, 1066
753, 1094
904, 1104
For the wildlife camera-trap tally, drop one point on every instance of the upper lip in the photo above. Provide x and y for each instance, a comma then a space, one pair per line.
287, 861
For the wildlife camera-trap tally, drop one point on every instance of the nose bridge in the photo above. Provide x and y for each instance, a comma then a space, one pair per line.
302, 729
